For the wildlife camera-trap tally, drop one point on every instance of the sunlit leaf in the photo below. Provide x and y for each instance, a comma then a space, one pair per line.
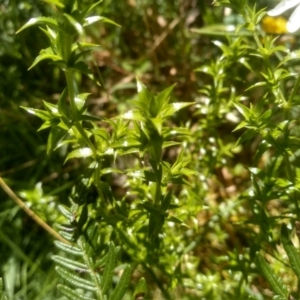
39, 21
44, 115
94, 19
43, 56
80, 100
174, 107
76, 25
133, 114
79, 153
244, 110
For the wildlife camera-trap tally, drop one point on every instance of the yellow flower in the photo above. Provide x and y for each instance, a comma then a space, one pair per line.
293, 23
275, 25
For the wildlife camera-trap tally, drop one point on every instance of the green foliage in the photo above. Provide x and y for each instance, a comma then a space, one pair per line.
2, 294
278, 287
276, 284
81, 266
174, 192
148, 138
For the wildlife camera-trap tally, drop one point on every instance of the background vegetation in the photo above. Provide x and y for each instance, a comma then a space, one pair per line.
233, 152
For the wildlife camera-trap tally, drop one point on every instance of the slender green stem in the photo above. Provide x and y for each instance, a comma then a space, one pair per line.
294, 91
70, 78
291, 177
70, 83
85, 137
257, 40
157, 194
30, 213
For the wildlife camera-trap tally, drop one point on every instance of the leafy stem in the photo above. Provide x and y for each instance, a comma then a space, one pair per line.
294, 92
157, 194
70, 82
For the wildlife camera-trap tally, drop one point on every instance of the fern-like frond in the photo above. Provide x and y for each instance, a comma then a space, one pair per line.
75, 280
69, 249
70, 264
85, 274
71, 294
275, 282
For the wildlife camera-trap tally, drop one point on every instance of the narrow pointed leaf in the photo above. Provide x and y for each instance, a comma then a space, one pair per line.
44, 56
72, 294
163, 97
94, 19
133, 114
67, 236
153, 209
70, 264
62, 104
79, 153
276, 284
90, 8
83, 218
80, 100
56, 134
68, 248
166, 201
44, 115
65, 211
108, 269
39, 21
52, 108
170, 144
291, 251
101, 262
49, 33
74, 23
261, 83
122, 285
244, 110
247, 135
291, 56
75, 280
174, 107
88, 117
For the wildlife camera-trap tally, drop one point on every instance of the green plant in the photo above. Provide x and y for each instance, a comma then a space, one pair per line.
141, 130
86, 261
66, 52
280, 289
176, 196
270, 123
